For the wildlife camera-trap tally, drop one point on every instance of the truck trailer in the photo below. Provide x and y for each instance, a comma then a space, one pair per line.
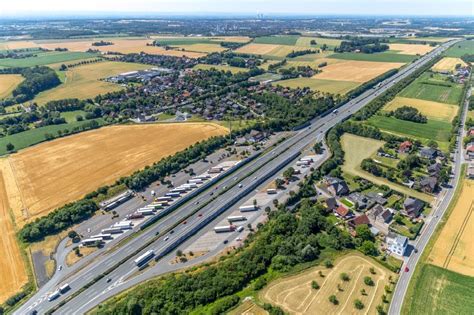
144, 257
236, 218
54, 295
248, 208
226, 228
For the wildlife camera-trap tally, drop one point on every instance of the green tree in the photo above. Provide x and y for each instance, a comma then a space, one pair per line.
363, 233
333, 299
344, 276
10, 147
288, 173
358, 304
328, 263
368, 281
368, 248
314, 285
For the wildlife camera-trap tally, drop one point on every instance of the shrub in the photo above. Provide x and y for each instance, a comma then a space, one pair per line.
333, 299
358, 304
344, 277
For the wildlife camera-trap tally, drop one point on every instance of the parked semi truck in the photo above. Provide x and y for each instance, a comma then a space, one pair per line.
236, 218
248, 208
54, 295
144, 257
271, 191
225, 228
64, 288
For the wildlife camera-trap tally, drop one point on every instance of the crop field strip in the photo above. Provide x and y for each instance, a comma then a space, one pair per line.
8, 82
411, 49
378, 57
92, 159
448, 64
328, 86
433, 110
454, 249
45, 58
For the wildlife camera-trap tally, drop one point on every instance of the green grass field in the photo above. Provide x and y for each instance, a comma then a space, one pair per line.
460, 49
380, 57
432, 130
440, 291
329, 86
202, 66
34, 136
266, 76
434, 88
71, 116
45, 59
277, 40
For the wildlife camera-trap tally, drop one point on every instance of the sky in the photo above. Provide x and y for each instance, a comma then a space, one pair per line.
307, 7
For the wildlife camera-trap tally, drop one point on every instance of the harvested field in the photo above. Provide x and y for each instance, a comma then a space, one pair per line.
84, 81
313, 63
218, 39
295, 295
8, 82
433, 110
248, 308
269, 50
356, 71
17, 45
411, 49
306, 42
202, 66
454, 248
203, 48
124, 46
53, 173
12, 265
329, 86
358, 148
448, 64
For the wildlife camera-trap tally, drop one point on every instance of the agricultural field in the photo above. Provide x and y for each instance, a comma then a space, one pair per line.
328, 86
120, 45
432, 110
269, 50
45, 58
448, 64
454, 247
295, 295
388, 56
306, 42
358, 148
85, 81
234, 70
12, 265
248, 308
440, 291
7, 45
202, 48
8, 82
289, 40
437, 130
356, 71
460, 49
434, 87
34, 136
411, 49
44, 177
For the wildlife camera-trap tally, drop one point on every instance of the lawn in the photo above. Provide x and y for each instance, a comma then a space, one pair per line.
460, 49
432, 130
8, 82
30, 137
266, 76
226, 68
71, 116
277, 40
306, 42
405, 228
434, 87
45, 59
433, 110
85, 81
329, 86
380, 57
440, 291
358, 148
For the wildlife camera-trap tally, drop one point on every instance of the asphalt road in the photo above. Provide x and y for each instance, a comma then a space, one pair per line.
442, 203
250, 176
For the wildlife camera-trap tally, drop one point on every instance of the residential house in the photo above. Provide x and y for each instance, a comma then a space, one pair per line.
434, 169
336, 186
342, 212
428, 184
396, 243
470, 150
429, 153
360, 200
331, 203
359, 220
377, 197
412, 207
380, 214
405, 147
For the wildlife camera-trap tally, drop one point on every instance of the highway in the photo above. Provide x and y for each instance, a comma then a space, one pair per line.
119, 263
442, 204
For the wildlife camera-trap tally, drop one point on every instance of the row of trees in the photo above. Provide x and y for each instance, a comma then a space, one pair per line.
297, 53
363, 45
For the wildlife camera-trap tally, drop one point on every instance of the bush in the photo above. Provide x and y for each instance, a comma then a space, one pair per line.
224, 304
368, 281
328, 263
333, 300
358, 304
314, 285
344, 277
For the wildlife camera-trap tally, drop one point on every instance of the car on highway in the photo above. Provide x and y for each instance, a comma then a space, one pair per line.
407, 269
200, 215
240, 185
211, 193
167, 238
196, 203
172, 231
60, 268
108, 280
184, 222
226, 241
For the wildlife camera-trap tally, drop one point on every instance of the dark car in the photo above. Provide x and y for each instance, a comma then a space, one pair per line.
109, 279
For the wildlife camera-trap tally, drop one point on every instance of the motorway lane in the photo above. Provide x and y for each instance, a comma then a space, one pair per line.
295, 143
427, 232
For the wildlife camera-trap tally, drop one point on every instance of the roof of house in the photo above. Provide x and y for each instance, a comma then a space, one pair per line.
398, 239
412, 204
405, 145
362, 219
331, 203
436, 167
386, 214
429, 182
377, 210
429, 152
342, 211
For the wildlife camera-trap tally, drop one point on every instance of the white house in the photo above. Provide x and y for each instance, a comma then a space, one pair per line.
396, 243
